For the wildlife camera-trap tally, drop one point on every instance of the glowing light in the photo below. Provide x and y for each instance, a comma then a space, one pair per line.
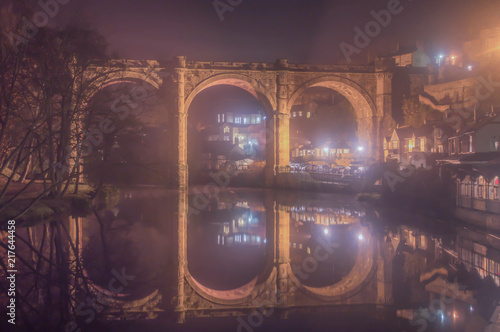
325, 149
454, 315
442, 317
441, 56
325, 231
360, 148
471, 309
469, 68
360, 237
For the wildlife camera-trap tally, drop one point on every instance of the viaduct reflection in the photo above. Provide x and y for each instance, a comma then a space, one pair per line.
239, 251
195, 255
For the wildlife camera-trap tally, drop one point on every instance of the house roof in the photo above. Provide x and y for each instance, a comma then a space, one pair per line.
490, 158
474, 126
403, 132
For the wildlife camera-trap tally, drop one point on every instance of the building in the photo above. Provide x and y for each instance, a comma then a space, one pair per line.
484, 49
233, 137
413, 56
327, 151
477, 136
417, 146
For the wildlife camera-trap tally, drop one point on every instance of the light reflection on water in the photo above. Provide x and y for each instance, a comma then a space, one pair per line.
229, 244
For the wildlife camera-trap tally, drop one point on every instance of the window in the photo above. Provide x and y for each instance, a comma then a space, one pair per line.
465, 187
218, 118
226, 130
300, 113
422, 144
237, 119
346, 150
245, 120
226, 138
395, 145
411, 145
258, 119
494, 193
294, 114
308, 115
479, 187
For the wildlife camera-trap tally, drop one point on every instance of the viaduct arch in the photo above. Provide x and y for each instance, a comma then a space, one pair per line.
275, 85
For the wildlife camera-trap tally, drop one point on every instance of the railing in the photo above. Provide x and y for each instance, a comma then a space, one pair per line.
480, 204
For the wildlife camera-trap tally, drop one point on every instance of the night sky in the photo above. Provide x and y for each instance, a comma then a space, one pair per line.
264, 30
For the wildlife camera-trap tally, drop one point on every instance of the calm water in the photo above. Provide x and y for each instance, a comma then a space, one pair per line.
318, 260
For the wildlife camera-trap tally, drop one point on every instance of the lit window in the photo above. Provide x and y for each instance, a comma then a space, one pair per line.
346, 150
245, 120
237, 120
218, 118
294, 114
308, 115
258, 119
222, 117
494, 193
479, 187
226, 130
300, 113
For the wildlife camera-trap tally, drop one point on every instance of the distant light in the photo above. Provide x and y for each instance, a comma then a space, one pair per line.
265, 117
360, 148
325, 231
442, 317
326, 149
441, 56
454, 314
360, 237
469, 68
471, 309
453, 57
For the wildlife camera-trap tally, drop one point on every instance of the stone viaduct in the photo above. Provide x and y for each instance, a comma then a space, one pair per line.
275, 85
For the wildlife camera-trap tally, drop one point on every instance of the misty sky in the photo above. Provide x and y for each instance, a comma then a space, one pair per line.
307, 31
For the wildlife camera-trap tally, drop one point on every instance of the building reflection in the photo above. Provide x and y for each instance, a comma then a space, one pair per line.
289, 251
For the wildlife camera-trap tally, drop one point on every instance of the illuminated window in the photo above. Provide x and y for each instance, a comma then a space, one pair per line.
494, 193
465, 187
237, 119
346, 150
218, 118
308, 115
395, 145
300, 113
226, 130
258, 119
479, 187
294, 114
245, 120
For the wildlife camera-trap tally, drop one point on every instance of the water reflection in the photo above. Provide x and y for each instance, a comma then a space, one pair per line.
295, 251
226, 242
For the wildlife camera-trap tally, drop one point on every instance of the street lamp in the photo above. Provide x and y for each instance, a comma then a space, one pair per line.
360, 148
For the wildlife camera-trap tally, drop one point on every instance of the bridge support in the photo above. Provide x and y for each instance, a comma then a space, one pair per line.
180, 173
278, 158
